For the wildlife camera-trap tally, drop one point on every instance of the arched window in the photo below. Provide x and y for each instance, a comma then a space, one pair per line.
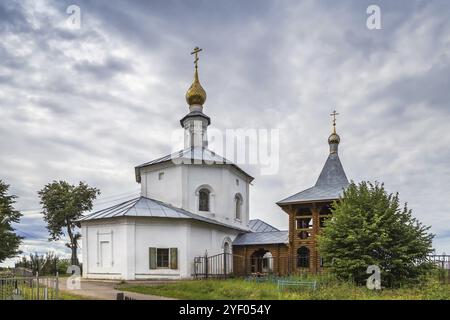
261, 261
268, 262
238, 206
303, 257
226, 248
203, 195
227, 256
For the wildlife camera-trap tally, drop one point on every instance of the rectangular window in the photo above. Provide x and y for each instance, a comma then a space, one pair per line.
160, 175
304, 223
203, 200
162, 258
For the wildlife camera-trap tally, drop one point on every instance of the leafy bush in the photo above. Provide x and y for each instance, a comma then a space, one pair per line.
370, 228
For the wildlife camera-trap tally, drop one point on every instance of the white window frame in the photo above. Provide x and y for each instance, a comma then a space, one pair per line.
212, 197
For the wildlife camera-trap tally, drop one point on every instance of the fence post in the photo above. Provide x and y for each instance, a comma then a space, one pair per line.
225, 257
206, 265
37, 284
57, 284
120, 296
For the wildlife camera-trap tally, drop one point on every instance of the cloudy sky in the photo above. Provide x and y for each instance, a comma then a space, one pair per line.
90, 103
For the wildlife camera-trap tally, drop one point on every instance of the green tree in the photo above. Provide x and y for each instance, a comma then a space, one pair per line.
369, 227
43, 264
62, 205
9, 240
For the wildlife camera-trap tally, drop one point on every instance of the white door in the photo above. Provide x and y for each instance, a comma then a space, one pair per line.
105, 254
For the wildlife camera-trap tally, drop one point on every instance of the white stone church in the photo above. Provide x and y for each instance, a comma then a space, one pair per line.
192, 202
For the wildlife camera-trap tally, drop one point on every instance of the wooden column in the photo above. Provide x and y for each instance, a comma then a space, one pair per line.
292, 236
246, 271
315, 211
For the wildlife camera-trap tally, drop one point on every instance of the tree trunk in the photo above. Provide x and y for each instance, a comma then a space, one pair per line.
74, 258
73, 245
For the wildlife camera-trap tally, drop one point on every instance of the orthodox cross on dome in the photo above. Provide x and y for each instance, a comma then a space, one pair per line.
334, 139
196, 52
196, 95
334, 114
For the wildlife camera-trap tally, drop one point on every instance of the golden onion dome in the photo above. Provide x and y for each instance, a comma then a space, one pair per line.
196, 94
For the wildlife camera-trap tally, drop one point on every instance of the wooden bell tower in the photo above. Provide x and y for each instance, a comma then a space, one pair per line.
309, 209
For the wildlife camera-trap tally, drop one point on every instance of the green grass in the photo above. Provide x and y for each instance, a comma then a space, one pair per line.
26, 293
239, 289
65, 295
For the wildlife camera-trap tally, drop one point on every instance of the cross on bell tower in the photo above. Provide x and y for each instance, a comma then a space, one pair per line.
334, 114
334, 139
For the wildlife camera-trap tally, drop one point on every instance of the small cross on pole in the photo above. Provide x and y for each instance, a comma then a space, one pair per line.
334, 114
195, 52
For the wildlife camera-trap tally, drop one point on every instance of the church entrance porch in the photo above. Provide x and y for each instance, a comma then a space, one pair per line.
256, 260
270, 259
261, 262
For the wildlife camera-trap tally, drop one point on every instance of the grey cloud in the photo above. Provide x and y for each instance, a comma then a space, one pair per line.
430, 88
11, 61
12, 17
105, 70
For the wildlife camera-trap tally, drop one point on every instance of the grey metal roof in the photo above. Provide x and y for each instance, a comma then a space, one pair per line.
257, 225
146, 207
333, 173
191, 155
257, 238
329, 186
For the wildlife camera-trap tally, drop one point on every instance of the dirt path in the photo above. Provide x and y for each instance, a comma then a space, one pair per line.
104, 290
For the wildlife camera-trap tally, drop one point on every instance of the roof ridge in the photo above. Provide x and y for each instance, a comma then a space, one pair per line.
225, 160
110, 208
164, 203
125, 207
259, 225
189, 153
129, 208
193, 215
